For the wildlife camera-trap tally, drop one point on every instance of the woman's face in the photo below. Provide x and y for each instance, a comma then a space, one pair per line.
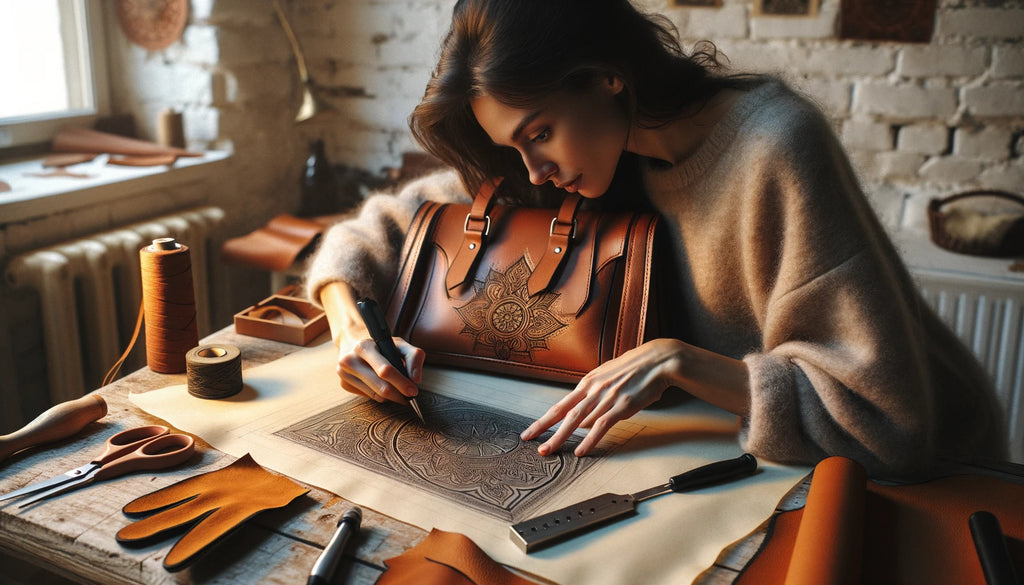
572, 139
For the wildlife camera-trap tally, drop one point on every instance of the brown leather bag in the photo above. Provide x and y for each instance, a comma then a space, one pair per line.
539, 293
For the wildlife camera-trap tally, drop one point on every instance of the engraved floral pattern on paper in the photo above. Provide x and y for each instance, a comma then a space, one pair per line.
504, 319
467, 453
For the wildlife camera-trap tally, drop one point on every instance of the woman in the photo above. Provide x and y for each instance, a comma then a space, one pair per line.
794, 310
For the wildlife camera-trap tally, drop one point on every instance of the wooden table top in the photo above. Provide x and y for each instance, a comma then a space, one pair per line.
72, 535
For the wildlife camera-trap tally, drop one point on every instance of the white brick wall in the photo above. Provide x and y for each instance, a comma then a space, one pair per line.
918, 120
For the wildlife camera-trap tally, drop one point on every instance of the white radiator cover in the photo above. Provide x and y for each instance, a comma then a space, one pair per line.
982, 301
90, 291
988, 316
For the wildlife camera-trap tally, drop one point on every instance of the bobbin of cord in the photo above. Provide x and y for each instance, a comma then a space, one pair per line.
168, 299
214, 371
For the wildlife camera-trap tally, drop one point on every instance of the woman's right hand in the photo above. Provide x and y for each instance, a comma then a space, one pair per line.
364, 370
361, 367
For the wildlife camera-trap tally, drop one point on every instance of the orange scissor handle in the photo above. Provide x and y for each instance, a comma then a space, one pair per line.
163, 451
129, 440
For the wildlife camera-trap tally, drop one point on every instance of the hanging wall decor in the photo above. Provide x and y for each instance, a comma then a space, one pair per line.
786, 7
908, 21
696, 3
152, 24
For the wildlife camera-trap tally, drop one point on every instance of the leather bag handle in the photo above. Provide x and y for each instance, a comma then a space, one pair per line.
476, 229
563, 229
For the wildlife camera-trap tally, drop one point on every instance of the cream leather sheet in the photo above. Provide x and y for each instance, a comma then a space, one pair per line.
670, 540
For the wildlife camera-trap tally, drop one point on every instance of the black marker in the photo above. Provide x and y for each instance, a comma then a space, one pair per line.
375, 322
323, 569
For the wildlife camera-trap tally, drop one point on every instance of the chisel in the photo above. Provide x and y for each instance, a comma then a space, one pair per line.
58, 422
536, 533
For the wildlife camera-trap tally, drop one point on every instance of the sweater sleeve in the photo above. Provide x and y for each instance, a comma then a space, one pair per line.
364, 251
843, 367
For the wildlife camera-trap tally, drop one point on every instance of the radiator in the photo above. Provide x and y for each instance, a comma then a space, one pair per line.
90, 290
988, 316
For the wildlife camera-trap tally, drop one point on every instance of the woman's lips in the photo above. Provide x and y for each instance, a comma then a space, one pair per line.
571, 186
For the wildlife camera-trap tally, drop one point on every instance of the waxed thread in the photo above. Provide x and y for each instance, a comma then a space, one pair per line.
213, 372
169, 305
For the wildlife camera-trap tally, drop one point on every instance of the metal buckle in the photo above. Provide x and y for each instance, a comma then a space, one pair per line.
572, 233
487, 224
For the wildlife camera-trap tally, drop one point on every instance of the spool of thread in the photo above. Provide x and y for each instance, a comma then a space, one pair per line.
170, 128
169, 303
214, 371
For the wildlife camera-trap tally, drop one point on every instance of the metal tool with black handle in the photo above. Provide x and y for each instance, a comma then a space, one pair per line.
546, 529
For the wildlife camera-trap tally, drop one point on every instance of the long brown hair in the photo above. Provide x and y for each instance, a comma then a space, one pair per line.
521, 51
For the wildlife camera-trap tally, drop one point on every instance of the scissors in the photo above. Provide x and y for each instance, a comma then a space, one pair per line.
135, 449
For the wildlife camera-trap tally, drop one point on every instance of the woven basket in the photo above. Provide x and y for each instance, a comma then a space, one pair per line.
1009, 244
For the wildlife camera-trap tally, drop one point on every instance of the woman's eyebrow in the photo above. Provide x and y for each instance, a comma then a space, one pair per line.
524, 123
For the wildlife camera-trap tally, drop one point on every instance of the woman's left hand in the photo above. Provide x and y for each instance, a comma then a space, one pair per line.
613, 391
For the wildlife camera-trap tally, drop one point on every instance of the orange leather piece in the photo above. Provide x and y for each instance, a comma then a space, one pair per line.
911, 533
151, 160
66, 160
447, 558
598, 304
84, 140
214, 504
275, 246
836, 499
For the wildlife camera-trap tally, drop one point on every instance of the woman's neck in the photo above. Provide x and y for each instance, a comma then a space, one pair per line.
675, 141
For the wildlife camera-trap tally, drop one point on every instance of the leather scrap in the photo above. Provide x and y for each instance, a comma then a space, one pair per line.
277, 245
447, 558
213, 504
78, 141
68, 159
908, 534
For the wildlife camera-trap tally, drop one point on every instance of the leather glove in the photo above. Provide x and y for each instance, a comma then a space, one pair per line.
220, 501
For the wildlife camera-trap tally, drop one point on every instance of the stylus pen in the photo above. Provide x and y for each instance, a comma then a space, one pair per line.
375, 322
323, 569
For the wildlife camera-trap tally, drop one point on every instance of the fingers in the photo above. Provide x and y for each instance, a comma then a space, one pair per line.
365, 371
413, 357
553, 415
574, 411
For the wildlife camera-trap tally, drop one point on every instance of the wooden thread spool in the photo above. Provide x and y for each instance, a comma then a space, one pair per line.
170, 128
169, 303
214, 371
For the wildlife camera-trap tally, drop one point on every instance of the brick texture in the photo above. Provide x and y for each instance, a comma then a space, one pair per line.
916, 119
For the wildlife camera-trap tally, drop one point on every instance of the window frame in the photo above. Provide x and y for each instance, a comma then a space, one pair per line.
87, 19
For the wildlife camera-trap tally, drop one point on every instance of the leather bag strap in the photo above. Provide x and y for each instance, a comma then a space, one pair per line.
563, 228
478, 224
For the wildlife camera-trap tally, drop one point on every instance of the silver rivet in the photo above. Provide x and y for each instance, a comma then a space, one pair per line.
558, 250
472, 246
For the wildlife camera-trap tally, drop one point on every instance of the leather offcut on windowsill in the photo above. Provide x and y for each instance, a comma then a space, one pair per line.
279, 244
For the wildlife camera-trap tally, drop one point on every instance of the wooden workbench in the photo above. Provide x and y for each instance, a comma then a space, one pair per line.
72, 535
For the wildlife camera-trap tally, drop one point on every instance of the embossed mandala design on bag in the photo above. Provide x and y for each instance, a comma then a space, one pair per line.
540, 293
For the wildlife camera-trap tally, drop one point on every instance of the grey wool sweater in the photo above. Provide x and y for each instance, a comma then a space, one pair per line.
779, 261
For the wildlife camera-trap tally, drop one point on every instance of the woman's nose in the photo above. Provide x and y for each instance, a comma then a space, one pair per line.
540, 171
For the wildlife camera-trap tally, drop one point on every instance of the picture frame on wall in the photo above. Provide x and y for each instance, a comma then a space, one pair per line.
695, 3
908, 21
798, 8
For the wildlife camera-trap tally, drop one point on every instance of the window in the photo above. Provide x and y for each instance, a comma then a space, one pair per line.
51, 67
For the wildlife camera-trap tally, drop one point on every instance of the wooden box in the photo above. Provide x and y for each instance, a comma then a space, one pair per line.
282, 318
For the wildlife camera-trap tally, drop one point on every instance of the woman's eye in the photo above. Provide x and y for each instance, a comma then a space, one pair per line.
541, 136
